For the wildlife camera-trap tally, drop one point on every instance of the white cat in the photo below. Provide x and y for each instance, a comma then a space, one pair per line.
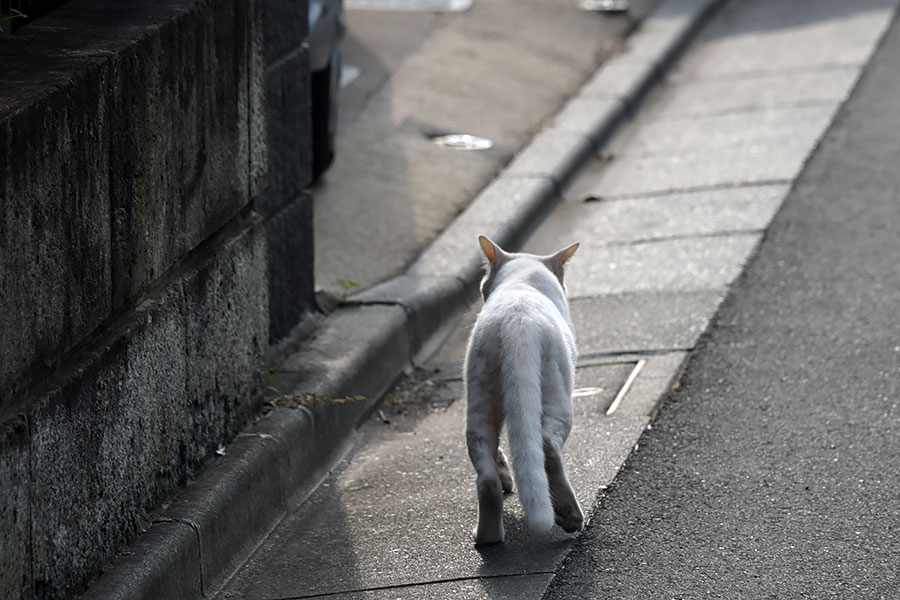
519, 368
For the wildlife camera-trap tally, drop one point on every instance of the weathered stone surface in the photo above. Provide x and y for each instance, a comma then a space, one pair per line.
164, 562
124, 143
107, 443
134, 311
15, 511
226, 321
54, 228
288, 123
179, 166
142, 407
291, 279
286, 27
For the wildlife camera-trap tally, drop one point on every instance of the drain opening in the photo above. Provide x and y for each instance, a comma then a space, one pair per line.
606, 6
462, 141
437, 6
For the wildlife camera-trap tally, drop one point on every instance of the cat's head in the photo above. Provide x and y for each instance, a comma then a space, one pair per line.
496, 257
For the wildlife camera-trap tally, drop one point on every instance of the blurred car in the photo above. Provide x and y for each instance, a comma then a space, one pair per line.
326, 30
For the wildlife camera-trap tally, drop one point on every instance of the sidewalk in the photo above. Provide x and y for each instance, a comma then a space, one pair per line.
667, 222
667, 218
772, 471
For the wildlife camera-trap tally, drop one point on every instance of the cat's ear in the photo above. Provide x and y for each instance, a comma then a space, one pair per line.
557, 260
560, 258
565, 255
492, 251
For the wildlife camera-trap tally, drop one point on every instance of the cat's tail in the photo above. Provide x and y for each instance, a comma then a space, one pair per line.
521, 368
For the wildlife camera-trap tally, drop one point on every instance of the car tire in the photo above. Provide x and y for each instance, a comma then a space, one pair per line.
323, 114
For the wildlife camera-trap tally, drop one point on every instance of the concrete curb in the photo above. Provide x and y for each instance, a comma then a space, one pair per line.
192, 549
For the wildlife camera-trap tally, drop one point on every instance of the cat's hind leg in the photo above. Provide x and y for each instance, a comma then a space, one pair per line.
483, 441
506, 478
569, 515
556, 425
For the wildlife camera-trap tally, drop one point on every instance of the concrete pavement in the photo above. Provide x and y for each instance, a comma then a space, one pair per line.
667, 221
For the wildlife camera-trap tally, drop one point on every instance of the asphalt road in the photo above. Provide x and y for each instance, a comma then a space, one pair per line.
773, 471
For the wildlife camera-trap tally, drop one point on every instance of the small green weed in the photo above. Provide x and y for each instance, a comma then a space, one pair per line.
14, 14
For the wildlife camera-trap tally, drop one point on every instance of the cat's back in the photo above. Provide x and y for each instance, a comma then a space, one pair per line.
528, 294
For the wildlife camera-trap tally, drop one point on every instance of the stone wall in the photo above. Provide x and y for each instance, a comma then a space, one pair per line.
134, 313
286, 204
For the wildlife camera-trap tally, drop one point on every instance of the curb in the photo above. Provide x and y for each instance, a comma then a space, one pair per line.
207, 532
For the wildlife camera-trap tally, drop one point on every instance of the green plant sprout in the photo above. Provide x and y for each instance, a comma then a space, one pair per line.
15, 14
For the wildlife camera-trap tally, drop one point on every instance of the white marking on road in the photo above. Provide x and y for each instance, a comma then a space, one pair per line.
626, 386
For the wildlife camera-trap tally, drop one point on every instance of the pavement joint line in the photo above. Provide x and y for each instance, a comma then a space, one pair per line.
679, 238
398, 586
636, 353
524, 220
795, 70
196, 529
675, 116
695, 189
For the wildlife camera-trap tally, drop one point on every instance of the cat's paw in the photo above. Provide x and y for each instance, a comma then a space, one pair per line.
485, 537
569, 517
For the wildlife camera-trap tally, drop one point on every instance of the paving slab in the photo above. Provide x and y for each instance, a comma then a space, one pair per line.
776, 36
756, 91
587, 218
752, 164
673, 135
642, 322
681, 265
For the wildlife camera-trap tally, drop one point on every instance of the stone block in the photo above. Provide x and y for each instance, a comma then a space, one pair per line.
163, 562
54, 227
286, 27
432, 306
143, 405
15, 511
594, 118
288, 132
226, 323
179, 144
358, 350
107, 444
505, 211
626, 81
291, 277
553, 154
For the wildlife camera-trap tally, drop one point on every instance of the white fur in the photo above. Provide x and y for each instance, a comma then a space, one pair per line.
520, 367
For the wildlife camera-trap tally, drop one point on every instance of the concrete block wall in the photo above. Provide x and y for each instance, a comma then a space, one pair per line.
286, 204
134, 316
